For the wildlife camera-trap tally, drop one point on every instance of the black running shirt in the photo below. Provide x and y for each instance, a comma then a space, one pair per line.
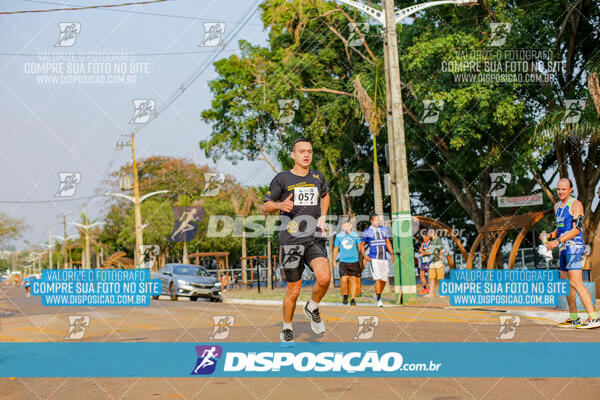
299, 225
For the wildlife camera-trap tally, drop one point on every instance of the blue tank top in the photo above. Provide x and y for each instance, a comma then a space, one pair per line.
425, 248
564, 222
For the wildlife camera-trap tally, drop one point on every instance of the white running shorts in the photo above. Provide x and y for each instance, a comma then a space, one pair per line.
380, 269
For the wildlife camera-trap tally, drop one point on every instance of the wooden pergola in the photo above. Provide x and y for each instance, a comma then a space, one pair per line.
434, 223
497, 229
222, 258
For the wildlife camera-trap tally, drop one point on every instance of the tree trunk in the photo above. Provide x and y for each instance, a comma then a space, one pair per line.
186, 260
161, 261
244, 253
343, 200
561, 158
341, 193
376, 180
332, 280
377, 190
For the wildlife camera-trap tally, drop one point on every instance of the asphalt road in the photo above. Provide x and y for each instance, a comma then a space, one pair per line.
26, 320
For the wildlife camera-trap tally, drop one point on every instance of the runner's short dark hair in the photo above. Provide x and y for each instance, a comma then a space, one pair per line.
373, 216
300, 139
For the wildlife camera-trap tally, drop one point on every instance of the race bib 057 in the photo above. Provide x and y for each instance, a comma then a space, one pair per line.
305, 196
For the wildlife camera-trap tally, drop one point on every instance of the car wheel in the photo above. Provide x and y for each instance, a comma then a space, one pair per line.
193, 298
174, 297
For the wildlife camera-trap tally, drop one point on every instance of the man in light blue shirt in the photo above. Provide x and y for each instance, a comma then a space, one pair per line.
346, 246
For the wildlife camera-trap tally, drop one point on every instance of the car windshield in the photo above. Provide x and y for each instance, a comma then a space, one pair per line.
189, 270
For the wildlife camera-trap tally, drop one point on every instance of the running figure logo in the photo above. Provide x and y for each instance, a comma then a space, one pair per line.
186, 223
431, 111
68, 33
573, 108
508, 327
291, 255
366, 326
500, 181
68, 183
356, 30
77, 326
213, 33
212, 183
207, 359
287, 110
500, 32
222, 326
143, 109
358, 183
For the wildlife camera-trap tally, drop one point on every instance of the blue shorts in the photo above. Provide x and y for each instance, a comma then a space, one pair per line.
570, 261
424, 266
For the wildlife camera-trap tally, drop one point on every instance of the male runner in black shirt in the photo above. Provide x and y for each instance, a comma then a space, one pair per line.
302, 199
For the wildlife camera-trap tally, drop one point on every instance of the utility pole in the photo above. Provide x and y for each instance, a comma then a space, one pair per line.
139, 233
65, 242
50, 247
404, 278
87, 240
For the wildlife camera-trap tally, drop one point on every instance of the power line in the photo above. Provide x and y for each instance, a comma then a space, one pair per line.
189, 81
206, 65
134, 54
148, 13
82, 8
45, 201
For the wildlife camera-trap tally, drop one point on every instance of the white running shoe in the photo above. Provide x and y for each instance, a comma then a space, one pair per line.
316, 323
379, 303
589, 324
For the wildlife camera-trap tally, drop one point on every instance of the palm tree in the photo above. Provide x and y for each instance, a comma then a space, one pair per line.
242, 204
84, 233
593, 67
94, 238
373, 108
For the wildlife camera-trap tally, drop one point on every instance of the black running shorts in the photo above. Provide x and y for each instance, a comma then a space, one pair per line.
350, 269
294, 257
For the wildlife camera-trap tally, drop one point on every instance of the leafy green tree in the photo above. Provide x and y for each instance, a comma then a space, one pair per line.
483, 128
11, 228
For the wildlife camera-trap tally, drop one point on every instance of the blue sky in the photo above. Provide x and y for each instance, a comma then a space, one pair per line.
56, 127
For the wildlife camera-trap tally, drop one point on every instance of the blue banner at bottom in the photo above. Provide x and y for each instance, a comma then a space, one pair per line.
227, 359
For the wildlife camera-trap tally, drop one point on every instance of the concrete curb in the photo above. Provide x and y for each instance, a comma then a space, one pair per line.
302, 303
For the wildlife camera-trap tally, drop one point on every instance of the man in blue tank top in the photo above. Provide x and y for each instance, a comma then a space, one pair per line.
568, 237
